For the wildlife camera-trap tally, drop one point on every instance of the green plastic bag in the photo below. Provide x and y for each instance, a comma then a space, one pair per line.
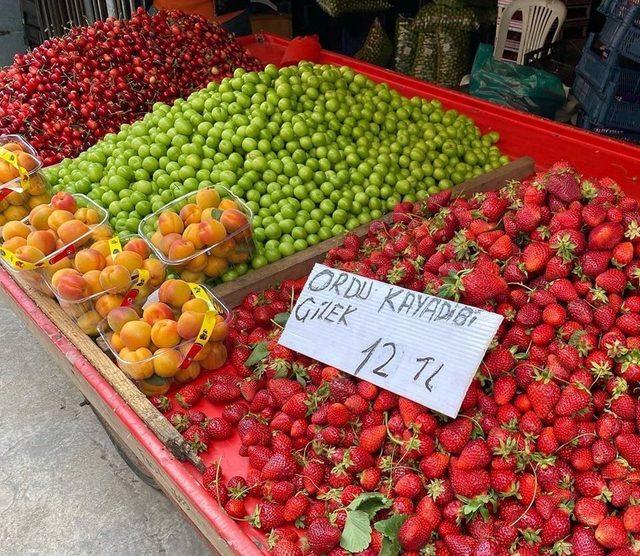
522, 87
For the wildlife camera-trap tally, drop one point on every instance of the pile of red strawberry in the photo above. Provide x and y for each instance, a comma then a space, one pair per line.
542, 458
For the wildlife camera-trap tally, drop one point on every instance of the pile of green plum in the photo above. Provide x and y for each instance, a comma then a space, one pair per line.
314, 150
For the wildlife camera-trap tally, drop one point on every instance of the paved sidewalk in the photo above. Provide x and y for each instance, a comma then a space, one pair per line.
63, 487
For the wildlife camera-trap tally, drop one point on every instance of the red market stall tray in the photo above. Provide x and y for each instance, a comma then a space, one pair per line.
521, 134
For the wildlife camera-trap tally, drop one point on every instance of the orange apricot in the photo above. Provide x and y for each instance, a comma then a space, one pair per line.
70, 286
167, 241
39, 215
220, 330
64, 201
89, 216
15, 229
170, 223
89, 259
198, 263
14, 243
216, 266
207, 198
233, 220
106, 303
190, 214
119, 316
226, 204
72, 231
44, 240
166, 362
137, 362
156, 270
92, 278
181, 249
135, 334
88, 323
192, 235
190, 373
216, 357
164, 333
115, 278
130, 260
29, 253
57, 218
196, 304
139, 246
193, 277
174, 293
189, 324
15, 213
155, 312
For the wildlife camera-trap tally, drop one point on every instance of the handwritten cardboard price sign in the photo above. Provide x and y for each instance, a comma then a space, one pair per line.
422, 347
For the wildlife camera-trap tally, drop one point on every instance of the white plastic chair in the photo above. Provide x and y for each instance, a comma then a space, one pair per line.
538, 18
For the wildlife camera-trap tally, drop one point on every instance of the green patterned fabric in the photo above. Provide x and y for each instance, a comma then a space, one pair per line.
336, 8
405, 44
377, 48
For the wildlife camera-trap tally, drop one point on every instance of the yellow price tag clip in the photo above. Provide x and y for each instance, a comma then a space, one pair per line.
141, 277
206, 329
11, 158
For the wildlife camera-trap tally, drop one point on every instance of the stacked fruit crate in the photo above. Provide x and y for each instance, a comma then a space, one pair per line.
607, 81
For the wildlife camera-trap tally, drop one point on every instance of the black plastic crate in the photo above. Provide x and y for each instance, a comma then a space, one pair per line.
620, 9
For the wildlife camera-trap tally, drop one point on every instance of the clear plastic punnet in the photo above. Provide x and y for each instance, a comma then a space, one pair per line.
44, 240
177, 331
107, 273
23, 185
201, 234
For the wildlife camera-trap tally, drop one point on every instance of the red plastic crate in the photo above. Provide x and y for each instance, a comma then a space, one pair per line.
521, 134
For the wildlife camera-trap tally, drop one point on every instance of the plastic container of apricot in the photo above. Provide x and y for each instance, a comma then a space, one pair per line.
36, 277
147, 365
20, 193
209, 262
89, 309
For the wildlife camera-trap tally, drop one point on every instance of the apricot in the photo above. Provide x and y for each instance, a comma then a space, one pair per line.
156, 270
27, 161
139, 246
191, 234
15, 229
174, 293
70, 286
92, 278
106, 303
216, 266
212, 232
89, 259
3, 220
167, 241
14, 243
233, 220
13, 146
29, 253
190, 373
207, 198
7, 172
181, 249
15, 213
170, 223
137, 363
38, 200
135, 334
190, 214
101, 232
241, 254
154, 385
198, 263
166, 362
155, 312
72, 231
223, 249
44, 240
116, 342
57, 218
64, 201
130, 260
39, 215
164, 333
226, 204
200, 355
220, 330
60, 273
88, 323
38, 186
115, 278
58, 265
17, 198
194, 277
189, 324
102, 246
216, 357
210, 214
156, 239
89, 216
196, 304
119, 316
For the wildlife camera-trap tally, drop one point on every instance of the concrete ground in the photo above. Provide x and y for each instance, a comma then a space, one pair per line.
63, 487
